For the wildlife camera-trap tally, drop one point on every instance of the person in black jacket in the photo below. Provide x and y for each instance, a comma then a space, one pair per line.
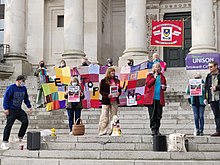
212, 93
110, 91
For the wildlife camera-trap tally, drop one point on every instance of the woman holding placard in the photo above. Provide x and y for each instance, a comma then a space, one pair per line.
110, 91
74, 96
154, 89
197, 95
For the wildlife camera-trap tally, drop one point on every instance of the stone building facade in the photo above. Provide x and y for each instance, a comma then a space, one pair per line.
52, 30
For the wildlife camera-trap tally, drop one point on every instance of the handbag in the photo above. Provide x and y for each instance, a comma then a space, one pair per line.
177, 142
78, 129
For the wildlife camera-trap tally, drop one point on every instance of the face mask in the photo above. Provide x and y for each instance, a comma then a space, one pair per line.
74, 83
42, 65
22, 84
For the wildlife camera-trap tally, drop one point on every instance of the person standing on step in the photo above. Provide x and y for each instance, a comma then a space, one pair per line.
41, 73
13, 99
212, 93
110, 90
198, 107
62, 64
74, 108
109, 62
154, 97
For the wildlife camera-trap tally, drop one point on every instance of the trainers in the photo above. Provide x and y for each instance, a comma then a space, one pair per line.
102, 133
19, 139
70, 133
4, 146
196, 133
201, 133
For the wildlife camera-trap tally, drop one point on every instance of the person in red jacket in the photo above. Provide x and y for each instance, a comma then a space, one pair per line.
154, 92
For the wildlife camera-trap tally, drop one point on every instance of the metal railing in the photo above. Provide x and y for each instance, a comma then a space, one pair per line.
4, 49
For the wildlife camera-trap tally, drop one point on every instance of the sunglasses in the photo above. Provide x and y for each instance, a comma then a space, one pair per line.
211, 66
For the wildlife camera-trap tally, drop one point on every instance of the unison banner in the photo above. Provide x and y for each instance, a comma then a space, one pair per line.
167, 33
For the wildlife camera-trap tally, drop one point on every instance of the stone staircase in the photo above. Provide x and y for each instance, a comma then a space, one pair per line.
134, 147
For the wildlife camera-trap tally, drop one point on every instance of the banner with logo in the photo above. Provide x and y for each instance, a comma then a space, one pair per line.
168, 33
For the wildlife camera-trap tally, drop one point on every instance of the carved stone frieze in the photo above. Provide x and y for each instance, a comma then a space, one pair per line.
175, 5
149, 18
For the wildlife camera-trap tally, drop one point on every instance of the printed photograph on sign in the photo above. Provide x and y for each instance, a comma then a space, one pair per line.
73, 94
195, 87
114, 91
166, 34
131, 101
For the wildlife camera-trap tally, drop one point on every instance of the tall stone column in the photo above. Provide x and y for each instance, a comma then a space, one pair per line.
73, 31
203, 39
14, 35
136, 47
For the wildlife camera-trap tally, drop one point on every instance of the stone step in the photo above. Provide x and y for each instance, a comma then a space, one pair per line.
129, 131
112, 155
114, 146
54, 161
119, 139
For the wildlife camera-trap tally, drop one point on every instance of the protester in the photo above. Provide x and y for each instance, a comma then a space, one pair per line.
109, 62
74, 108
198, 107
110, 99
212, 88
155, 87
41, 73
62, 64
85, 62
13, 98
130, 62
156, 59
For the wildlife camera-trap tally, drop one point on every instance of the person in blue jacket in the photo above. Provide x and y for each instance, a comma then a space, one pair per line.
198, 107
13, 98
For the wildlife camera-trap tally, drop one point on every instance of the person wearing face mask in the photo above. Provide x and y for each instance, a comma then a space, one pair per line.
85, 62
154, 97
109, 62
74, 108
130, 62
41, 73
62, 64
109, 102
14, 96
198, 107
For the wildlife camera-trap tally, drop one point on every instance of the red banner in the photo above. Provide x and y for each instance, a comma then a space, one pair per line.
167, 33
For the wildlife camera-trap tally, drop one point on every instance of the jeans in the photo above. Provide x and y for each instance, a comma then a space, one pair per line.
71, 117
155, 113
198, 112
13, 115
216, 111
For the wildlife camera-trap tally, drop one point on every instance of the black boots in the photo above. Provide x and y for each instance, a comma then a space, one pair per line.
155, 132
